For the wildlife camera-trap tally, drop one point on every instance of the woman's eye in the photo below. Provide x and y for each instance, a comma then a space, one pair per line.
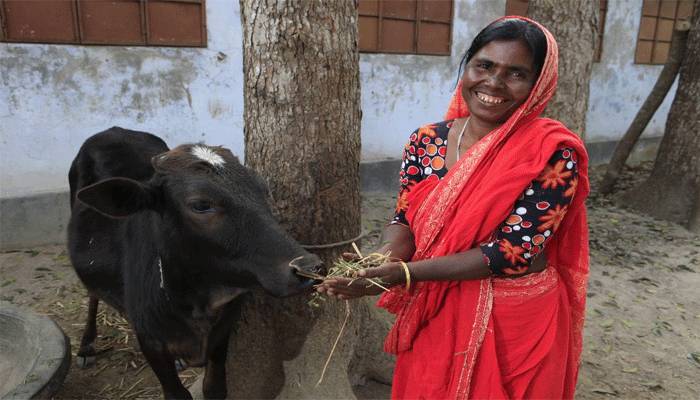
202, 207
518, 75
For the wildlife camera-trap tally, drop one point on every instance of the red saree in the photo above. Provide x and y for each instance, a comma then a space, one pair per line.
494, 338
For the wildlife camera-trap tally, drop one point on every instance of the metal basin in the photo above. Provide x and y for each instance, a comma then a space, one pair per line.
34, 354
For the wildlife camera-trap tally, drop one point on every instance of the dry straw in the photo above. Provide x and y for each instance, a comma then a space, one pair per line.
345, 269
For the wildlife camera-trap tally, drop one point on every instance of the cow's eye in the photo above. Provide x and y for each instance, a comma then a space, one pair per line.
201, 207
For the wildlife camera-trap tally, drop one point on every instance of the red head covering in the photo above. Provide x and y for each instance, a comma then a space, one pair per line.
463, 209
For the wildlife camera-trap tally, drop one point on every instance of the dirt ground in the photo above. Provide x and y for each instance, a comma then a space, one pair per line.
642, 334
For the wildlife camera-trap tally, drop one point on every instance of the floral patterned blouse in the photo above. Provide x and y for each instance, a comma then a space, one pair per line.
534, 218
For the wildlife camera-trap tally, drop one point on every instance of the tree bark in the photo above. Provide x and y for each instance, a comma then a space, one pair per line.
574, 23
302, 134
694, 222
651, 104
672, 189
302, 113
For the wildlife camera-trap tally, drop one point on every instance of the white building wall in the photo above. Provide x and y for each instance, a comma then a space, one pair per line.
618, 85
402, 92
52, 97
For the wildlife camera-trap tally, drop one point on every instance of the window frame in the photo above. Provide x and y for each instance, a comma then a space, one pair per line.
655, 40
417, 20
78, 27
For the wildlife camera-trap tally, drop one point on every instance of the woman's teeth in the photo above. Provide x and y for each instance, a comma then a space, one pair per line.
489, 99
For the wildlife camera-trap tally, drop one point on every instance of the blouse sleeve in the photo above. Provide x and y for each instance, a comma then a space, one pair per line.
535, 217
409, 175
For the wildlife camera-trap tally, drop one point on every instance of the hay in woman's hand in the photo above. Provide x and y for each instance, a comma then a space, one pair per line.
343, 268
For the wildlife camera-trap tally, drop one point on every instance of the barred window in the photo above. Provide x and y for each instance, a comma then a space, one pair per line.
105, 22
656, 28
405, 26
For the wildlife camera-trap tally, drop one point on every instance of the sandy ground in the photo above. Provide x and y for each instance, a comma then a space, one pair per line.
641, 337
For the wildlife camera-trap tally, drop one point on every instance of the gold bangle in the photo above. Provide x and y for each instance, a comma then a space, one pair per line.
408, 274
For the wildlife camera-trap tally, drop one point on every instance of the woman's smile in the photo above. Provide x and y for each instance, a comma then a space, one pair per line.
489, 100
497, 80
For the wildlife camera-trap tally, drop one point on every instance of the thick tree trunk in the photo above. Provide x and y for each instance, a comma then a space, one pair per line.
672, 189
574, 23
302, 133
651, 104
302, 113
694, 222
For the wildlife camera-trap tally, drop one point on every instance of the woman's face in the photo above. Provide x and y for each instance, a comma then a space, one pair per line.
497, 80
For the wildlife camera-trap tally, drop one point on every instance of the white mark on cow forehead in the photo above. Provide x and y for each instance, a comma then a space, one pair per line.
208, 155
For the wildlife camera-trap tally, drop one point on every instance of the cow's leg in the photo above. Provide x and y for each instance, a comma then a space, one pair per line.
86, 353
163, 364
214, 384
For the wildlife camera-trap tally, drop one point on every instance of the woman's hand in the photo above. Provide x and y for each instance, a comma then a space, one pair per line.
347, 288
390, 274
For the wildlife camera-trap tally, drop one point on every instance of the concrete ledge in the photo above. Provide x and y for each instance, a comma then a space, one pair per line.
34, 220
378, 176
644, 150
42, 219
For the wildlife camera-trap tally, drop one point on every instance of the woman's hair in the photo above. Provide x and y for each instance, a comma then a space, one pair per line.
507, 30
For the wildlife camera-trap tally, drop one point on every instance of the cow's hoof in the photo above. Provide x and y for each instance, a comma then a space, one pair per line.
85, 361
180, 365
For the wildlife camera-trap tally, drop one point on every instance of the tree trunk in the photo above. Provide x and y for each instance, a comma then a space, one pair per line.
302, 113
302, 134
694, 222
671, 191
651, 104
574, 23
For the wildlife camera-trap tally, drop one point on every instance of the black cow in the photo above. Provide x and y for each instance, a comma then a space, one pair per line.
171, 239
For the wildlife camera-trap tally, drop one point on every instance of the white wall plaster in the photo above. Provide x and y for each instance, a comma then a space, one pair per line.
52, 97
618, 85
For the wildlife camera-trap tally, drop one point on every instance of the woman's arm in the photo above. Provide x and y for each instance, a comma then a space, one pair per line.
467, 265
518, 241
397, 241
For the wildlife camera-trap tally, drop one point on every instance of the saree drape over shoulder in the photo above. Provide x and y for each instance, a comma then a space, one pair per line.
497, 337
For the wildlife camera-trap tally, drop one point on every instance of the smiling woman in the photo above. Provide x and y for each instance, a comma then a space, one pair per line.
491, 220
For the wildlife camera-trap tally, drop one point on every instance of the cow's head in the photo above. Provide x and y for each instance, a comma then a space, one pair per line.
214, 221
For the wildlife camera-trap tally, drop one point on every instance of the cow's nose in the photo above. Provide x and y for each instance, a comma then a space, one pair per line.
308, 266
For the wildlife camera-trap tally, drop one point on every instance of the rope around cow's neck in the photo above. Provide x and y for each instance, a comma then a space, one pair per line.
335, 244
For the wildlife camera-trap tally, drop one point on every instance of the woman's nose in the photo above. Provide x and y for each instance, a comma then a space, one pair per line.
495, 80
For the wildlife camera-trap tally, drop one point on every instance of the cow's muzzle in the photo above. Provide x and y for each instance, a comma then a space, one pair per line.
309, 268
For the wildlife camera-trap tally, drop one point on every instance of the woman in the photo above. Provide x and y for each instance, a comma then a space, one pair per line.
479, 315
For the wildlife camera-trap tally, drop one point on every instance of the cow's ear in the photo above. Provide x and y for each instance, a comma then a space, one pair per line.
117, 197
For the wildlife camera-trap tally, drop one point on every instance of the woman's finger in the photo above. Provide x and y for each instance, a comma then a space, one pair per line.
350, 256
369, 272
375, 272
